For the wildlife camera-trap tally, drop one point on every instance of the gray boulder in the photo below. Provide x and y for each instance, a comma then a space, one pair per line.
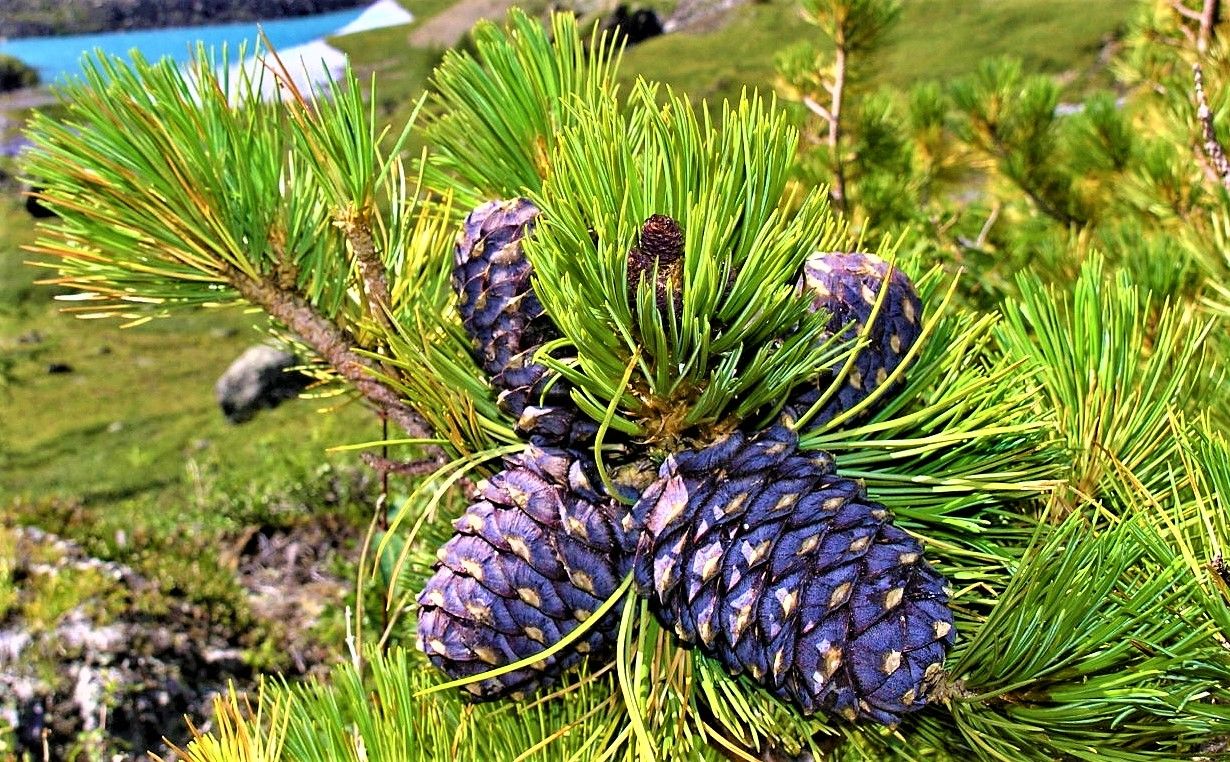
259, 378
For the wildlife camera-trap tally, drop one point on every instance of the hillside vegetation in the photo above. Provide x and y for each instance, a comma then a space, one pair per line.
935, 40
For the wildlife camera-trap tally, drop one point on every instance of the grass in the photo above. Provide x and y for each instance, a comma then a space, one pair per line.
933, 40
129, 455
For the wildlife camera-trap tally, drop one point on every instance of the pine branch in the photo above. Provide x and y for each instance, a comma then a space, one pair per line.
1181, 8
739, 337
178, 190
817, 109
1205, 18
838, 191
503, 107
1208, 24
332, 344
371, 269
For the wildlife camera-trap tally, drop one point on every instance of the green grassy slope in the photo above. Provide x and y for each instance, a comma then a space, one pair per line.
934, 39
136, 417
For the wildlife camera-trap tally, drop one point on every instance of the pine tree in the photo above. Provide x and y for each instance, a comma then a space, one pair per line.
1002, 176
1058, 461
827, 84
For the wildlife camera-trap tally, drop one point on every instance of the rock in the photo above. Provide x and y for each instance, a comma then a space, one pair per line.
699, 15
258, 378
97, 667
634, 26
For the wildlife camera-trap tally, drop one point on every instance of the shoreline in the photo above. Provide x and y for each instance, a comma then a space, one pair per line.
99, 17
309, 65
308, 56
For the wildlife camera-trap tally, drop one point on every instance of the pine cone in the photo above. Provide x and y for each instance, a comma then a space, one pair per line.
660, 246
530, 561
492, 278
507, 322
764, 558
542, 406
847, 284
661, 239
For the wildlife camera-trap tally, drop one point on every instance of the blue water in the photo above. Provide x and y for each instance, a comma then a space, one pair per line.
55, 57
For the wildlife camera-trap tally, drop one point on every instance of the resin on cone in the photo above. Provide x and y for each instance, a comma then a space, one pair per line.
847, 285
529, 563
761, 556
492, 277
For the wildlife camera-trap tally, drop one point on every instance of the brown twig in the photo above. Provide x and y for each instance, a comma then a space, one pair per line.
837, 91
1205, 18
387, 466
1208, 22
1212, 147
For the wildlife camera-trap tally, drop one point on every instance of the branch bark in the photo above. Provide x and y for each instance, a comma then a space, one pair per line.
838, 191
1205, 18
817, 109
1213, 149
385, 466
371, 269
1208, 22
334, 346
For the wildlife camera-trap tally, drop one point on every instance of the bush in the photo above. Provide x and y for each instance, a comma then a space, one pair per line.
15, 74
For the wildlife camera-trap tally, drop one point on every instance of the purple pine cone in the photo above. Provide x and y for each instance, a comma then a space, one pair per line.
499, 310
529, 562
492, 278
769, 562
847, 285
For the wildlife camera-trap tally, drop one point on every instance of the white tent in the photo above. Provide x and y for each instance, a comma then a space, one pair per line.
378, 15
307, 66
312, 64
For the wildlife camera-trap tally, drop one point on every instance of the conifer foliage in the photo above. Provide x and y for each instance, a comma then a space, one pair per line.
748, 487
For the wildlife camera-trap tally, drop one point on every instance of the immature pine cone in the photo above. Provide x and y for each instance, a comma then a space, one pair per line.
660, 244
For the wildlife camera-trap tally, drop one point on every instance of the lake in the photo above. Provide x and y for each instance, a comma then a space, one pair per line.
55, 57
